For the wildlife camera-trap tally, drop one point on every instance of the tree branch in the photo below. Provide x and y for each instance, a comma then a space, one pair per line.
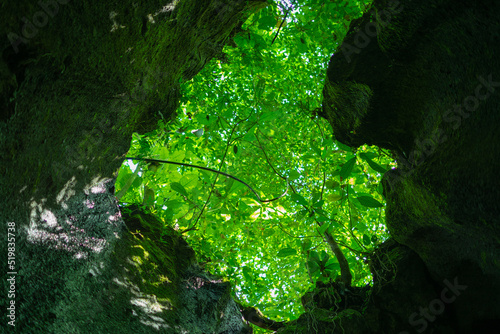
254, 316
210, 170
345, 272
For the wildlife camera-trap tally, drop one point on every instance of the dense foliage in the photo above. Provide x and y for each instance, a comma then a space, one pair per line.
251, 113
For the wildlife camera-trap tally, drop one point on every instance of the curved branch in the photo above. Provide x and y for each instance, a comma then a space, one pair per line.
254, 316
214, 171
345, 272
267, 158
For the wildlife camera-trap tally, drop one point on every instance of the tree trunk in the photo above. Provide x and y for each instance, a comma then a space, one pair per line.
78, 78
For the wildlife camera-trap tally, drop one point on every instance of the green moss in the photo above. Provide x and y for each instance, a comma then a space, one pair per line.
156, 254
346, 104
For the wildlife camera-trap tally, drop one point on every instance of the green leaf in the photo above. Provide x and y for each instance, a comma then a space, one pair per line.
122, 178
173, 204
332, 265
375, 166
319, 204
323, 228
229, 185
137, 182
313, 266
176, 186
306, 244
250, 136
314, 256
369, 155
285, 252
302, 213
315, 196
332, 225
149, 196
268, 232
299, 199
324, 258
240, 41
347, 168
293, 175
334, 197
189, 180
268, 21
344, 147
205, 176
361, 226
322, 212
331, 184
369, 201
316, 149
366, 240
322, 219
247, 273
380, 189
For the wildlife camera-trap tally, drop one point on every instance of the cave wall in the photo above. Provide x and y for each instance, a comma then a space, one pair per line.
78, 78
422, 78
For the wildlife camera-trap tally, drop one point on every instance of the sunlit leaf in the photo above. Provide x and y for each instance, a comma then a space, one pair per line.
137, 182
285, 252
267, 21
334, 197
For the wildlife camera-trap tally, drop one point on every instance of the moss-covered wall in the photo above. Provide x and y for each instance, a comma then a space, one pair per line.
422, 78
77, 79
155, 274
